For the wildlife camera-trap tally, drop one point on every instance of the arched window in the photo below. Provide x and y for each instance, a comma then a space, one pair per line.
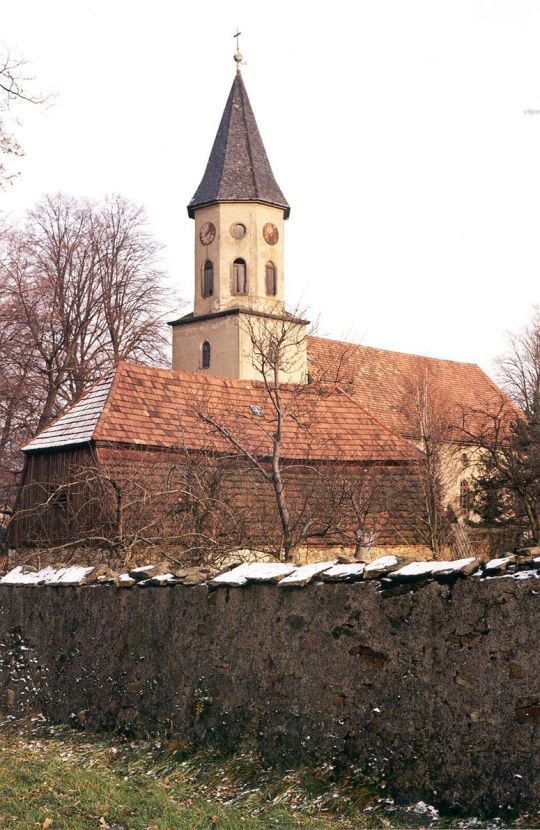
208, 279
465, 496
239, 277
205, 355
271, 279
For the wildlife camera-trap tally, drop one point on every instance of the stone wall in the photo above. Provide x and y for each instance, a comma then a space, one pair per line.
434, 686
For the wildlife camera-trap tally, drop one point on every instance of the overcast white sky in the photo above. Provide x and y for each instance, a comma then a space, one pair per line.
395, 129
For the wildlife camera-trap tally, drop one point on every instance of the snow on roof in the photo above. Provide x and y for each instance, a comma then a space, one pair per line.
77, 425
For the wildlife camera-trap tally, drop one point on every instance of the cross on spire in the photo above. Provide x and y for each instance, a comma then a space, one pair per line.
238, 55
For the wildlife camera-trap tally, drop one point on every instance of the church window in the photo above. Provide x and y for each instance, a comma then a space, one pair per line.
239, 276
271, 279
208, 279
465, 496
205, 355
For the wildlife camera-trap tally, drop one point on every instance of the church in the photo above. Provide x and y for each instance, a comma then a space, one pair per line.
261, 435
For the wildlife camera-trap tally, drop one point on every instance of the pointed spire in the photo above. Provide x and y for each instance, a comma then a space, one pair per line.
238, 169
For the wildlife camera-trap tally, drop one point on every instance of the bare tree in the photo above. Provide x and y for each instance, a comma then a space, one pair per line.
80, 288
275, 344
129, 283
508, 437
85, 290
15, 89
317, 495
20, 398
518, 369
429, 426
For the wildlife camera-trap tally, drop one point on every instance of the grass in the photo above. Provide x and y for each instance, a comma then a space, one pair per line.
56, 778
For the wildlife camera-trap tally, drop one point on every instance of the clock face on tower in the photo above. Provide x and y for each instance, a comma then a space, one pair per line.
207, 233
270, 233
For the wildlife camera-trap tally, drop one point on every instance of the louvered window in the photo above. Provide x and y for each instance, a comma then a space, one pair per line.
239, 276
271, 279
208, 279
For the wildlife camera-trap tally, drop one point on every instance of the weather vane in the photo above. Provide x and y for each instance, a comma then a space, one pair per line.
238, 56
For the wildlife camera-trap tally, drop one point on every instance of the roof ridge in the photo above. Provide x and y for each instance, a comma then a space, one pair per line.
242, 89
395, 351
230, 107
116, 371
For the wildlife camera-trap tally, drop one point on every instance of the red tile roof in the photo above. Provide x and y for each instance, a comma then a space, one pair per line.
362, 411
162, 408
385, 382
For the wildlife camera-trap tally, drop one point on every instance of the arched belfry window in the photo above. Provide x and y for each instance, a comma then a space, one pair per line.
208, 279
271, 279
205, 355
239, 279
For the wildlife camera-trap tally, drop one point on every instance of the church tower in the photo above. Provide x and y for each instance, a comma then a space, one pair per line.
239, 212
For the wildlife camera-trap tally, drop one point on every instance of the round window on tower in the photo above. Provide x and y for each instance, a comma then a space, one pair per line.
238, 231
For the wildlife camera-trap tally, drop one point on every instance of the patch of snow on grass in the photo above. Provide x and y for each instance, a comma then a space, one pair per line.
425, 809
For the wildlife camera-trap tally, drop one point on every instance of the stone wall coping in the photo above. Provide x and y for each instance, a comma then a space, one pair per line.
388, 570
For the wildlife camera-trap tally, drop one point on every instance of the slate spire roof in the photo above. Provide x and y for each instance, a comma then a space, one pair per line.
238, 169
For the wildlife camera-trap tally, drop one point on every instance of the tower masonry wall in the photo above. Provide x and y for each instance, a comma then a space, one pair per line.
433, 687
223, 335
252, 247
